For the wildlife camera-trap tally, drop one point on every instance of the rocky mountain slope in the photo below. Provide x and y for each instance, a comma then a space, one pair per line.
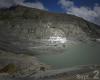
26, 30
29, 30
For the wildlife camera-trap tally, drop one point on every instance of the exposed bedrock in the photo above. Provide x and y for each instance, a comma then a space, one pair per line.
29, 30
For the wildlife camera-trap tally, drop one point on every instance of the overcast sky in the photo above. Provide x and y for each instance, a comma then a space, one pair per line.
87, 9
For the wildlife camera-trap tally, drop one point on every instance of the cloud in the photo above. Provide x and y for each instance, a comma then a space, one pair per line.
9, 3
37, 5
66, 4
97, 10
90, 14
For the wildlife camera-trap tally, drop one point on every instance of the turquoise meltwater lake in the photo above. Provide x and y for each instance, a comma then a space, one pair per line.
81, 54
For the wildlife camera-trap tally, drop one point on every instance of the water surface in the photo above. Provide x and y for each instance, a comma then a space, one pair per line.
81, 54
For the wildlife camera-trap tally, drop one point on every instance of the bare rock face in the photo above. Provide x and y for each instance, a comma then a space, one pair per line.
20, 65
27, 30
10, 69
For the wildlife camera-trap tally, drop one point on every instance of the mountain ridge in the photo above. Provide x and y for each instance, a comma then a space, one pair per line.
25, 29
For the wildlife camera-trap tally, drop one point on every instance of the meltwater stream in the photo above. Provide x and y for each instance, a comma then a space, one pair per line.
82, 54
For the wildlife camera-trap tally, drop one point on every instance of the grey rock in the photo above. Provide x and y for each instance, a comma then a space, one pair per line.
24, 64
29, 30
61, 74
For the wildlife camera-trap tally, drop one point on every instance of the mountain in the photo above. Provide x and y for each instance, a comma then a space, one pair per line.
30, 30
33, 31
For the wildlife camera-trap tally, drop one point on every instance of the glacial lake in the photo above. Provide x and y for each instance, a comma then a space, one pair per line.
82, 54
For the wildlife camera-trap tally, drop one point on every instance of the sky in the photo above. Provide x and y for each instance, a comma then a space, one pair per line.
87, 9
